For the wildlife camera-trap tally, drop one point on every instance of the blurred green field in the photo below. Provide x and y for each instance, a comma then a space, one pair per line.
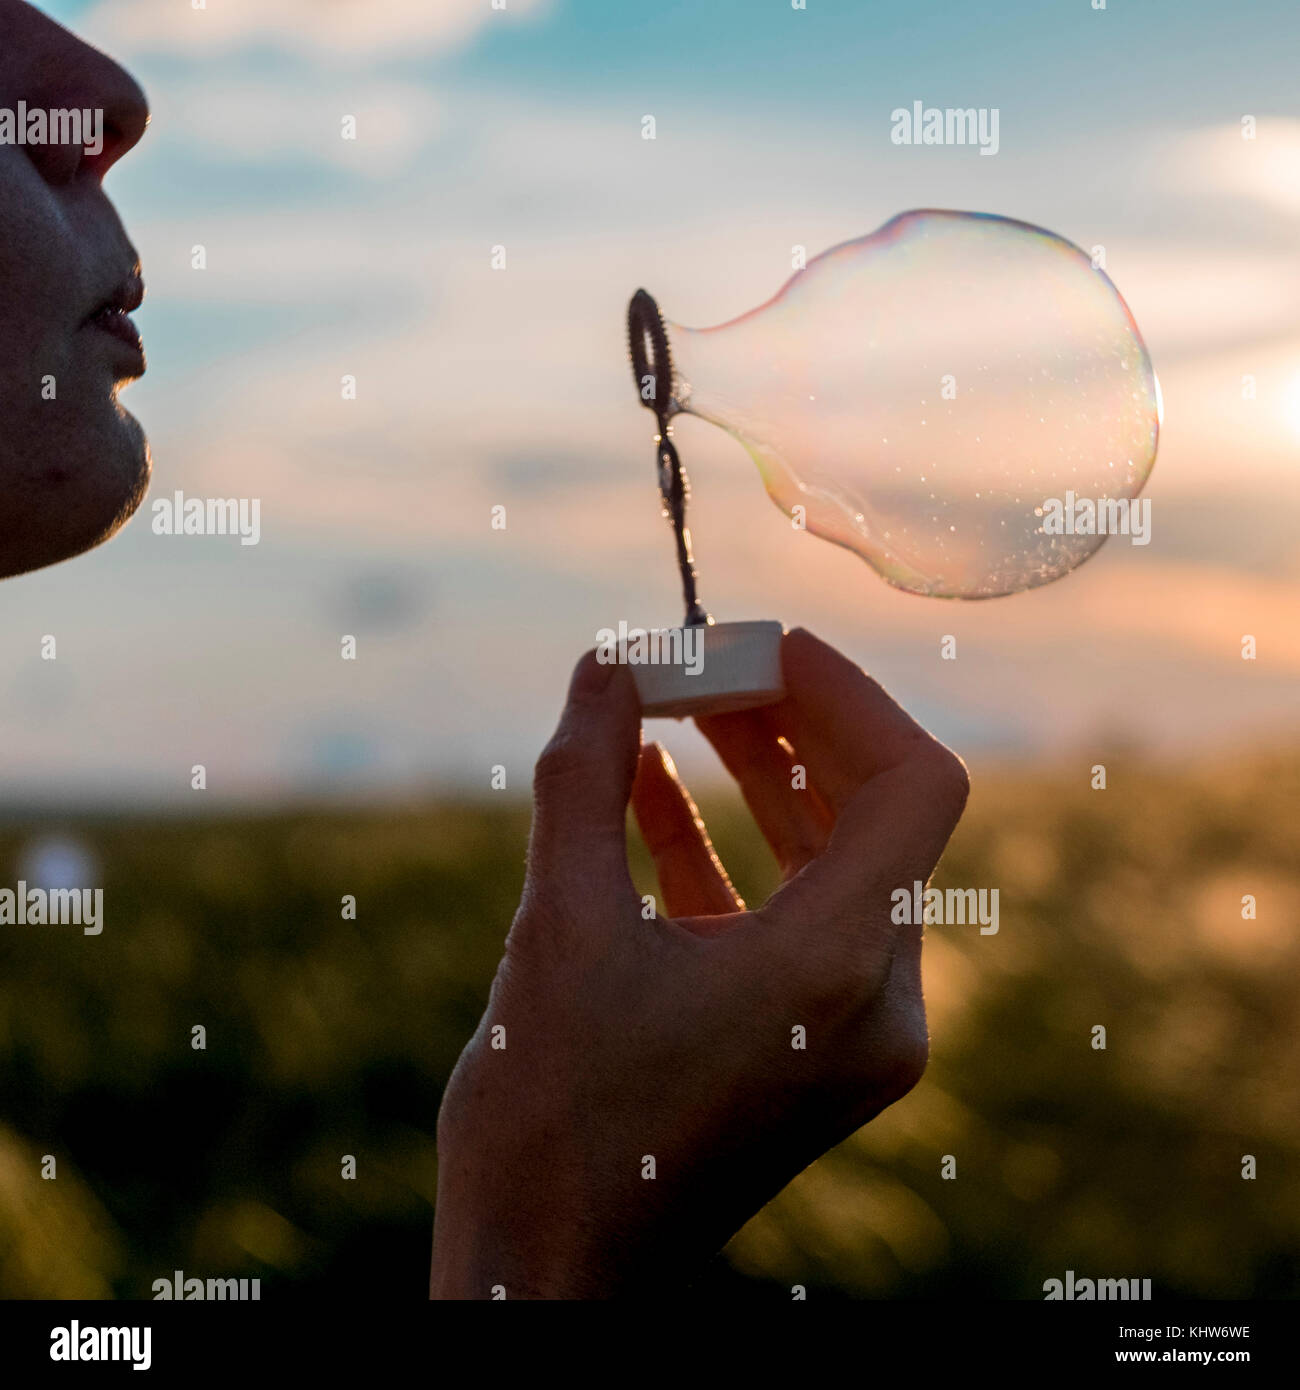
328, 1037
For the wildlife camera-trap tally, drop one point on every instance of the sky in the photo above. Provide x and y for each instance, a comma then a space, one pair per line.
478, 387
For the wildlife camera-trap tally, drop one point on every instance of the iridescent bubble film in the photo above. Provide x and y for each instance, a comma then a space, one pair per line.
922, 392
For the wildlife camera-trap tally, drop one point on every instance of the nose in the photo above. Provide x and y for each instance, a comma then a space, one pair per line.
57, 71
126, 113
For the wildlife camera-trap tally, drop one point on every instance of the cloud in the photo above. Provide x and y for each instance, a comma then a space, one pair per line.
299, 121
1221, 162
348, 30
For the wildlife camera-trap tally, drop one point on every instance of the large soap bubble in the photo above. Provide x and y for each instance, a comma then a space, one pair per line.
921, 393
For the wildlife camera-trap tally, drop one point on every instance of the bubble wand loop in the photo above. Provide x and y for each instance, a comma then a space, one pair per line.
645, 329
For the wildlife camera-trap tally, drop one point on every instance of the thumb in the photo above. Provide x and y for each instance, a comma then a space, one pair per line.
582, 785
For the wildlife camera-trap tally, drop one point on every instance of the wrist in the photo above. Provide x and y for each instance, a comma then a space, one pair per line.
519, 1237
477, 1256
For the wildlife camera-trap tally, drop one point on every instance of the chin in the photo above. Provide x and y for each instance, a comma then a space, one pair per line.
74, 500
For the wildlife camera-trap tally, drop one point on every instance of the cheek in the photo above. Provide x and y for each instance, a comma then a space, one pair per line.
40, 276
44, 441
42, 347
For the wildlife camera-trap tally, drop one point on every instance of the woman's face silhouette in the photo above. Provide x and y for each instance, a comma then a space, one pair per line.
73, 464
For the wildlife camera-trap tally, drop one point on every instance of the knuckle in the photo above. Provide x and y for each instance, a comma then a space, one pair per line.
949, 775
885, 1073
910, 1059
557, 762
796, 853
545, 941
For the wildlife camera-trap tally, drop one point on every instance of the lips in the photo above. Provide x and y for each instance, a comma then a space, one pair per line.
118, 323
113, 314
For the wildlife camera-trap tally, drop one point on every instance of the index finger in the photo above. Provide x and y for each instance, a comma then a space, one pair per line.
897, 792
844, 727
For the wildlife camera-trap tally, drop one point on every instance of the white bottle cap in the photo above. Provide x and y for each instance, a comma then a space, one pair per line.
707, 670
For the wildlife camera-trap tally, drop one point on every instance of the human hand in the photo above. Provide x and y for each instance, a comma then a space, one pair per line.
635, 1090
